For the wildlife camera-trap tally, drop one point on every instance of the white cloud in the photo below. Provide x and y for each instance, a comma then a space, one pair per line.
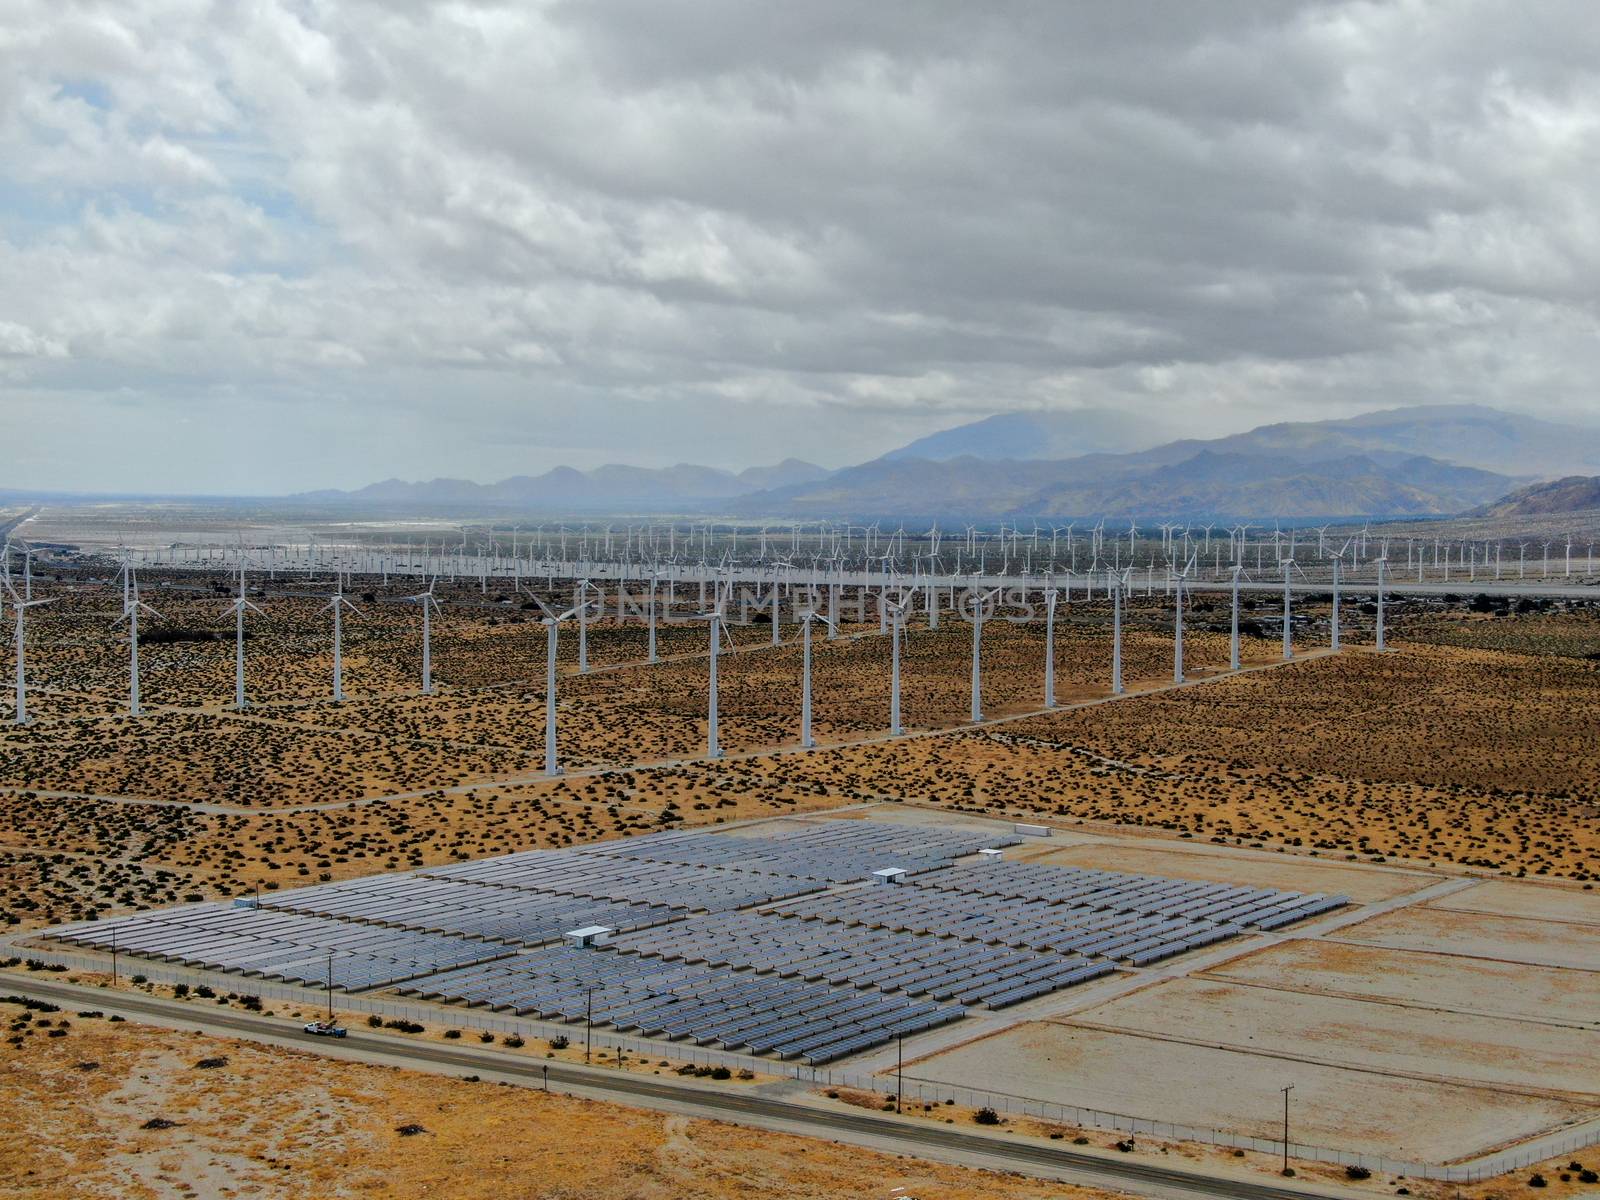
622, 226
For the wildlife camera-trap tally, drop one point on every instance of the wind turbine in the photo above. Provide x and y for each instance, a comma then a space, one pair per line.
552, 625
19, 608
810, 615
430, 605
338, 604
1233, 628
978, 619
1288, 632
238, 606
897, 632
1179, 579
1050, 597
653, 656
580, 605
716, 616
1333, 639
1383, 561
130, 614
1117, 583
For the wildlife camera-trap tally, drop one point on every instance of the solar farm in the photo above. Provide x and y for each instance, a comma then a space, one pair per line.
780, 943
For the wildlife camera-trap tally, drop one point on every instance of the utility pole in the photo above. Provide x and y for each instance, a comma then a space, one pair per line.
899, 1070
589, 1020
1286, 1091
330, 987
113, 956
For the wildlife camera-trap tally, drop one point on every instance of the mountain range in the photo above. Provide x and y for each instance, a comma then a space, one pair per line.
1574, 493
610, 488
1418, 461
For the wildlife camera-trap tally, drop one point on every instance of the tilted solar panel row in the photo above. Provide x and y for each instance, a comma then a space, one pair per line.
706, 1005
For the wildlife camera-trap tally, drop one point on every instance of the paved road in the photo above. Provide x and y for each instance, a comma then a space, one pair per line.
871, 1130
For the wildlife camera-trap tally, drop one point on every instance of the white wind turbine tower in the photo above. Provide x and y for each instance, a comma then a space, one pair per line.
897, 633
580, 604
1383, 562
1288, 629
238, 605
338, 604
19, 610
1233, 624
1117, 583
430, 605
1050, 597
653, 656
718, 624
130, 614
810, 615
1179, 580
980, 603
552, 627
1333, 634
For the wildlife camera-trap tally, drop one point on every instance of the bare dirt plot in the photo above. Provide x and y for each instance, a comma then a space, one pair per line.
1445, 981
1362, 884
1239, 1091
1512, 939
268, 1122
1386, 1038
1508, 899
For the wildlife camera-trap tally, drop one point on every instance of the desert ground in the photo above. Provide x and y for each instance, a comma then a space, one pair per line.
1303, 775
76, 1113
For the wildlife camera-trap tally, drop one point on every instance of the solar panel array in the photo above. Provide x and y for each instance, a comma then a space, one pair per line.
738, 941
835, 852
586, 872
941, 968
470, 909
1119, 892
1027, 924
279, 945
814, 1022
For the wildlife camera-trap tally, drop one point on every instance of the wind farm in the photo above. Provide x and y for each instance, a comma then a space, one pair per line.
1132, 693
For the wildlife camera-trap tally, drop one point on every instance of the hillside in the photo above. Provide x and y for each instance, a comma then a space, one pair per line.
1575, 493
1033, 435
1465, 434
605, 489
1422, 461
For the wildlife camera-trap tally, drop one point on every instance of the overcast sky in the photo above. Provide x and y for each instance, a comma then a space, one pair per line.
254, 247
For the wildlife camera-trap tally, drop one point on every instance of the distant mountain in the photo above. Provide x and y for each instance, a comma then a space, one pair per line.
1575, 493
610, 488
1468, 435
1363, 466
1422, 461
790, 471
1206, 484
1033, 435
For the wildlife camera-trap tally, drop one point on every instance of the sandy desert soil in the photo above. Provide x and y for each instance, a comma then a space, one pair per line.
1224, 1088
1428, 981
277, 1123
1486, 762
1511, 939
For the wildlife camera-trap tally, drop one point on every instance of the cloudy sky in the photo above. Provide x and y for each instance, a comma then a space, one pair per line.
260, 246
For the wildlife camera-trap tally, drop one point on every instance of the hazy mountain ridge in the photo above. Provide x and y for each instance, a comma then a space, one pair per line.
1467, 435
1420, 461
1208, 483
1032, 436
568, 488
1575, 493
